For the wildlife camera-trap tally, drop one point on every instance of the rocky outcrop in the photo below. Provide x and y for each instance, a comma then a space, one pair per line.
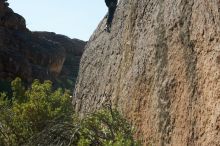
32, 55
160, 66
10, 19
74, 49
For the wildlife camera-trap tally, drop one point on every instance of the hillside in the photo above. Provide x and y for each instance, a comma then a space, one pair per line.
31, 55
160, 66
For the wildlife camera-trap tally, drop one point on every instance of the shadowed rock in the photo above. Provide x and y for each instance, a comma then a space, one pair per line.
35, 55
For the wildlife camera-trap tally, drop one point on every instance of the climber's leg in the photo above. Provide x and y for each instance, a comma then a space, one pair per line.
111, 11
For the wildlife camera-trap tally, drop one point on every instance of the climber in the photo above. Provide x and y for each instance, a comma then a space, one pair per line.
111, 4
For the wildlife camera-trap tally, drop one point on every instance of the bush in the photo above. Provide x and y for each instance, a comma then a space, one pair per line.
30, 111
42, 116
105, 127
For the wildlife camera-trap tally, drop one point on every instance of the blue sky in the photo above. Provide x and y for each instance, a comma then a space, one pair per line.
74, 18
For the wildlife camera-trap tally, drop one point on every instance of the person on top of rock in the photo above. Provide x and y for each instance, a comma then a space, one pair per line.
111, 4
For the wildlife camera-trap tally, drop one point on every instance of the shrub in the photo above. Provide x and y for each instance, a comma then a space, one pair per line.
30, 111
42, 116
107, 127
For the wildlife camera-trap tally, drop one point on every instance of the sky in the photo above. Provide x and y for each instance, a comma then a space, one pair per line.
73, 18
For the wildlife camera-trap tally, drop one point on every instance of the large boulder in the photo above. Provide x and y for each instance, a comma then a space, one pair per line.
160, 66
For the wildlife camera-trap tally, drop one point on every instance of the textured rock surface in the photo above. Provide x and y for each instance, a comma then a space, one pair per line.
31, 55
73, 48
160, 66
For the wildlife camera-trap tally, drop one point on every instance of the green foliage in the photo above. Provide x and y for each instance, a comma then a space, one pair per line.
31, 110
18, 90
43, 116
107, 127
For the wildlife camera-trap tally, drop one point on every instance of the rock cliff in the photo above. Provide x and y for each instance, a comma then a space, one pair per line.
160, 66
31, 55
65, 72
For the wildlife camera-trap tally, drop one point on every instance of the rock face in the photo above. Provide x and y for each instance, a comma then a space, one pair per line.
31, 55
160, 66
68, 71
